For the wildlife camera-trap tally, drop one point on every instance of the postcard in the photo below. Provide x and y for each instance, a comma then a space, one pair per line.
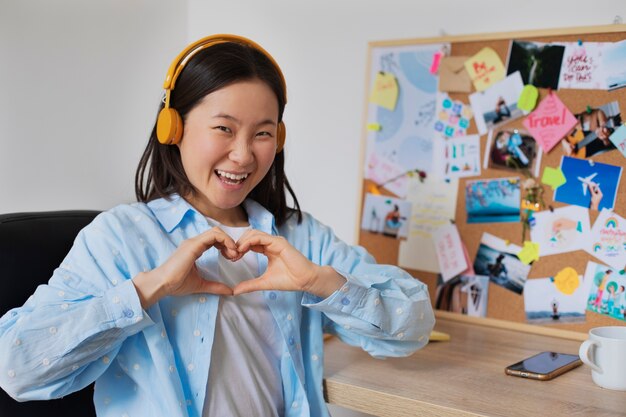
497, 104
433, 205
608, 239
588, 184
538, 63
464, 294
498, 260
458, 157
545, 304
614, 65
592, 132
387, 215
450, 251
512, 150
582, 67
607, 295
493, 200
565, 229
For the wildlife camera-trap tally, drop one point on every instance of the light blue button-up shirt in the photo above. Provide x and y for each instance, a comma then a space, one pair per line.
87, 323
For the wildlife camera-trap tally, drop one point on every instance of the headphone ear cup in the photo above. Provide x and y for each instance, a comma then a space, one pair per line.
281, 134
169, 126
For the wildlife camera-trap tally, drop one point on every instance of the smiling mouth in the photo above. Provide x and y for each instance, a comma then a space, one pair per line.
230, 178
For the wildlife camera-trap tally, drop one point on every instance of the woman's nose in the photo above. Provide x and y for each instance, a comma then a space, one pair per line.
241, 151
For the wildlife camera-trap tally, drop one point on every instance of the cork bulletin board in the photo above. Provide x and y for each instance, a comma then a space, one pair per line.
504, 304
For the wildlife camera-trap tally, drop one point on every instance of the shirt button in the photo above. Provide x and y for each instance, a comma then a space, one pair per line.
345, 288
398, 311
128, 313
272, 295
345, 301
291, 340
65, 306
52, 330
196, 332
172, 369
114, 282
11, 373
202, 300
191, 367
136, 367
116, 299
46, 361
289, 317
377, 301
400, 335
106, 359
314, 357
294, 404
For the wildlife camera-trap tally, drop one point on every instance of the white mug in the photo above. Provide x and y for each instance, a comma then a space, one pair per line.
605, 353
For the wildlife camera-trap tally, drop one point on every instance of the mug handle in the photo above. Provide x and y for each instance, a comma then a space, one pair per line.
583, 352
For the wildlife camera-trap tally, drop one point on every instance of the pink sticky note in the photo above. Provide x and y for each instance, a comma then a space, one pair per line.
550, 122
434, 66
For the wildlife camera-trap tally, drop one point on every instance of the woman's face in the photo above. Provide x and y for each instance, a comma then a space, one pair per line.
228, 145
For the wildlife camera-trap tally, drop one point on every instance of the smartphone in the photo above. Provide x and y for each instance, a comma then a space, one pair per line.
544, 365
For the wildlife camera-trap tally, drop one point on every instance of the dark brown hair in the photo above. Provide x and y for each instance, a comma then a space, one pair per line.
160, 172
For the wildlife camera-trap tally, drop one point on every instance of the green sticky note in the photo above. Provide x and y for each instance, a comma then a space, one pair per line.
553, 177
529, 253
528, 99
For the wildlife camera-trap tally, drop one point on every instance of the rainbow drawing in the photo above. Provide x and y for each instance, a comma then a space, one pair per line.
611, 222
597, 247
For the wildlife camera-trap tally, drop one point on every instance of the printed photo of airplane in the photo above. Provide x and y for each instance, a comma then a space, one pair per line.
587, 183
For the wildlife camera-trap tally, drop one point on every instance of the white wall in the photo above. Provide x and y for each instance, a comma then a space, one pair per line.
81, 81
321, 46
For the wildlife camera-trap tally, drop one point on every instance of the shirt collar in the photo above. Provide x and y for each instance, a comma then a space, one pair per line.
171, 211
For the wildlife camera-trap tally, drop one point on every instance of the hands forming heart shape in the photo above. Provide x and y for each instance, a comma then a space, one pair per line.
287, 269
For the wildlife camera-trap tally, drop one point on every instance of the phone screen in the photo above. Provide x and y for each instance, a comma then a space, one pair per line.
544, 365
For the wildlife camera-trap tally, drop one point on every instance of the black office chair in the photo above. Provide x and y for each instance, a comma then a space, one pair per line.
32, 245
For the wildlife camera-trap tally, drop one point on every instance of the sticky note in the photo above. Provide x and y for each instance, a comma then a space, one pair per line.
385, 90
619, 139
529, 253
553, 177
550, 122
528, 99
374, 127
485, 68
434, 66
566, 280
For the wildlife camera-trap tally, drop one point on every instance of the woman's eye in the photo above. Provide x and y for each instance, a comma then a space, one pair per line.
223, 129
264, 134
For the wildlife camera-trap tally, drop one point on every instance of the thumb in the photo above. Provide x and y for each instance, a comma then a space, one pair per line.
214, 287
251, 285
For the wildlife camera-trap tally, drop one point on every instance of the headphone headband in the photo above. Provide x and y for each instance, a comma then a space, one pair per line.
181, 60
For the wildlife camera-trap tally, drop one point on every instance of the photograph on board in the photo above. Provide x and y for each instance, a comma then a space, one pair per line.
538, 63
591, 185
614, 65
590, 135
497, 104
387, 215
463, 294
493, 200
608, 291
512, 150
545, 303
498, 260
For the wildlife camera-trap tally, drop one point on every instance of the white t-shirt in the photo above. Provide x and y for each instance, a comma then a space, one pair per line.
244, 376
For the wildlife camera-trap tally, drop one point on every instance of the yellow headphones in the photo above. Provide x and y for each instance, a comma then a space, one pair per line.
169, 123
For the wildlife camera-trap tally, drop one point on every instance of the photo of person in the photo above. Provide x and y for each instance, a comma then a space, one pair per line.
608, 291
499, 262
497, 104
590, 135
463, 294
538, 63
512, 150
545, 303
386, 215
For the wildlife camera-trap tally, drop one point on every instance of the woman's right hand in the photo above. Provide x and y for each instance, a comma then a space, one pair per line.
179, 274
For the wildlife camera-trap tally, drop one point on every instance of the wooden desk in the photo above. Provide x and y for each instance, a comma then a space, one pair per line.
465, 377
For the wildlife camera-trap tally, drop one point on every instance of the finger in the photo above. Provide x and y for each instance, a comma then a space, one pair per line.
251, 285
255, 238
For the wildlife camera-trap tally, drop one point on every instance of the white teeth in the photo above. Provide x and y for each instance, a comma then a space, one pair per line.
236, 177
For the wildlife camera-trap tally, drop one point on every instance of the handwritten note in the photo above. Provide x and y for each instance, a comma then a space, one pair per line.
608, 239
450, 252
385, 90
380, 170
485, 68
581, 66
619, 139
550, 121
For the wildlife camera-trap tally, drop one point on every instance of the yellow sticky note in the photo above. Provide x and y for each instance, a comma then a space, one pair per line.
485, 68
553, 177
373, 127
529, 253
567, 280
385, 90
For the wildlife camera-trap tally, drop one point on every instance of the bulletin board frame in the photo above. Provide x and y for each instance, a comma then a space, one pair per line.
504, 307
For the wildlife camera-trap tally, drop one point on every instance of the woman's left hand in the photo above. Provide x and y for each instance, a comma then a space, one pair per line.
287, 269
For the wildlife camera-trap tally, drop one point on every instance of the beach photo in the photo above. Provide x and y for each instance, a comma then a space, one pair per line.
493, 201
499, 262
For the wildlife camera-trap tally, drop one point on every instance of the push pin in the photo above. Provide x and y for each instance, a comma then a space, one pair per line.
588, 109
551, 209
580, 42
591, 163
